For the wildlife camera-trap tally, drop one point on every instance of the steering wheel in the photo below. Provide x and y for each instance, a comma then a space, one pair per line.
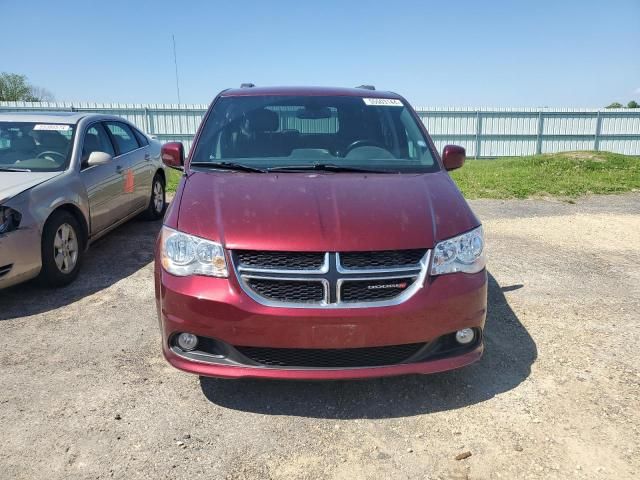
49, 152
362, 143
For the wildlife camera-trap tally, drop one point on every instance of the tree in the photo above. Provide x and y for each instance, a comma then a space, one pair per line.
633, 104
40, 94
16, 88
615, 105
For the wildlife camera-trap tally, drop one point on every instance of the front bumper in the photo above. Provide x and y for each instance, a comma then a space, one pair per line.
219, 309
20, 256
237, 372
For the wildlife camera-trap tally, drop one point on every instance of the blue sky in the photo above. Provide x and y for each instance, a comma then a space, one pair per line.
445, 53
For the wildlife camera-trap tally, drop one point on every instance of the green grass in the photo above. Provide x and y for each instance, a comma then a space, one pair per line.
173, 178
568, 174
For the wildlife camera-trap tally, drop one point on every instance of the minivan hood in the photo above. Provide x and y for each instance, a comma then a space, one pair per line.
13, 183
323, 212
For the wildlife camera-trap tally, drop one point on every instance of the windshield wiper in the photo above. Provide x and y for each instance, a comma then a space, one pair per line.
326, 167
228, 166
14, 169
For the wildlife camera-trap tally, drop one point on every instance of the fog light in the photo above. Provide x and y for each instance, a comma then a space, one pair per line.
464, 336
187, 341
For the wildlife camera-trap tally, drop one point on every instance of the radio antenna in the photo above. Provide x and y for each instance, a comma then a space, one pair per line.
175, 62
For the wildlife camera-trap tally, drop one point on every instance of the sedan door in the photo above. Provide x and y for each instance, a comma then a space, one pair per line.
147, 170
103, 183
137, 184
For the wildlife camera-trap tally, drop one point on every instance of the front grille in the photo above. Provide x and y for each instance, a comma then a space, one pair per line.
293, 291
331, 358
373, 290
327, 279
279, 260
382, 259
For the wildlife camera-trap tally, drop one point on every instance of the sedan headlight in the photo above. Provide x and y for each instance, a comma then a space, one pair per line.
185, 255
9, 219
464, 253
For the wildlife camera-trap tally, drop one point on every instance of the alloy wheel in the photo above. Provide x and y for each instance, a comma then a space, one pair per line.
158, 196
65, 248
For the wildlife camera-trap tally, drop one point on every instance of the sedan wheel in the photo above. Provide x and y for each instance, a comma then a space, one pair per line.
157, 202
63, 242
65, 248
158, 196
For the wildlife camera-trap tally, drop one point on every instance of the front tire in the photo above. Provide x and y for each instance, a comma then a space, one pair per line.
62, 249
157, 202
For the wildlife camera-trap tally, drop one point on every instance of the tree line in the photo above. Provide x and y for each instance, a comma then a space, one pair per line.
16, 88
631, 104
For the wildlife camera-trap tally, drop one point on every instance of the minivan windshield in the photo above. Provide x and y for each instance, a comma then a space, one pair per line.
35, 147
290, 133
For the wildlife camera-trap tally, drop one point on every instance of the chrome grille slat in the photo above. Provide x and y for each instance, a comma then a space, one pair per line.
343, 287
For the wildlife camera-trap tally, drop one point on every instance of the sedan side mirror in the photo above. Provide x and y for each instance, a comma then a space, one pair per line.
453, 157
98, 158
173, 155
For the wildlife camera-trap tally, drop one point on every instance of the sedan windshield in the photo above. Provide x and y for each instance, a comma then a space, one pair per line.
36, 147
297, 133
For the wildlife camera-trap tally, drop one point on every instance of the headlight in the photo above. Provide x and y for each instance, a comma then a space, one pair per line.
9, 219
464, 253
184, 255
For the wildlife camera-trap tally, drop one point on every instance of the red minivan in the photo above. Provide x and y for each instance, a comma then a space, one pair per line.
316, 234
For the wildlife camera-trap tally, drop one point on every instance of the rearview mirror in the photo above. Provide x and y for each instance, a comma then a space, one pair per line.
98, 158
173, 155
453, 157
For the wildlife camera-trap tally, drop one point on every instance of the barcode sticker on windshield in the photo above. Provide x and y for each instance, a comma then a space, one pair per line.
52, 126
383, 102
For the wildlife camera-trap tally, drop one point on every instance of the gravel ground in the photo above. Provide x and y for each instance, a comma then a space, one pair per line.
84, 392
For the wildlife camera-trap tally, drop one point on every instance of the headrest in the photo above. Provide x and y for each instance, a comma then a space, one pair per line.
263, 120
23, 144
51, 139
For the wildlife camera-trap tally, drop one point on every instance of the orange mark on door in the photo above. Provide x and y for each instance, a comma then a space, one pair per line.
128, 181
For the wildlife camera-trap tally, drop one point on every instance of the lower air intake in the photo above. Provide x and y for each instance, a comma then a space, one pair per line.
331, 358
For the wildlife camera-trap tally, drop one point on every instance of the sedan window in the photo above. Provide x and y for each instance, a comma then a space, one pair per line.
123, 137
142, 139
35, 146
96, 140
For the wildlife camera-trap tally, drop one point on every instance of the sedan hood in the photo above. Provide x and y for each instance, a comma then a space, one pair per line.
323, 212
13, 183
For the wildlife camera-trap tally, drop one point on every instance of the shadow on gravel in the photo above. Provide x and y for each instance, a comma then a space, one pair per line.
510, 351
115, 256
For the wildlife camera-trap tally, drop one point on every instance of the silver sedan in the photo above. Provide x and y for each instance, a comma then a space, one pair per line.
66, 179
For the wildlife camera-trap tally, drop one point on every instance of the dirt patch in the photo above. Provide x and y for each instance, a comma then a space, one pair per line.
588, 155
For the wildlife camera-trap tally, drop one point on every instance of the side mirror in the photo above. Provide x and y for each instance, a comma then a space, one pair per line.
453, 157
173, 155
98, 158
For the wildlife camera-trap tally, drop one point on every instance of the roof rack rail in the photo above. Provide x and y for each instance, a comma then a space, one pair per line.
247, 85
366, 87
